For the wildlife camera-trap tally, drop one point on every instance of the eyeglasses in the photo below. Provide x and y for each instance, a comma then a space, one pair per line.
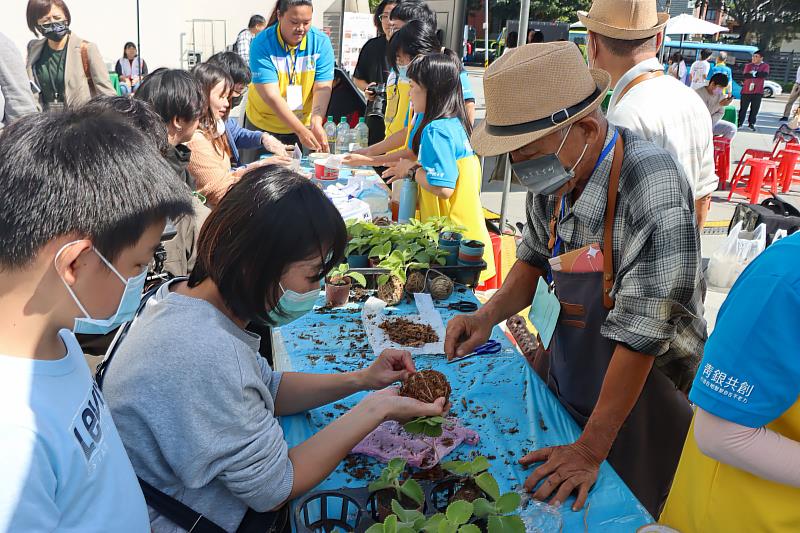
383, 17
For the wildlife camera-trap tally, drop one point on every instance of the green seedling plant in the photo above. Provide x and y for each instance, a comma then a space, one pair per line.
455, 519
428, 426
390, 479
342, 273
402, 521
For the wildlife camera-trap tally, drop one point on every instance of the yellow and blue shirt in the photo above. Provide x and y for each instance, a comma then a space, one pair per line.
448, 160
398, 104
273, 61
749, 375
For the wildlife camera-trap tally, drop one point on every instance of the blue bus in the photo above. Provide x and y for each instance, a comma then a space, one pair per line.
738, 56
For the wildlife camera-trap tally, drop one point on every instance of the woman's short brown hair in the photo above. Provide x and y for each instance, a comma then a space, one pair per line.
39, 8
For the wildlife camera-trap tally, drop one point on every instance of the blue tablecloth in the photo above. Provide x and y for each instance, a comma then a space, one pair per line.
507, 405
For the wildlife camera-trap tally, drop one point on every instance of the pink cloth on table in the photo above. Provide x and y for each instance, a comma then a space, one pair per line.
390, 440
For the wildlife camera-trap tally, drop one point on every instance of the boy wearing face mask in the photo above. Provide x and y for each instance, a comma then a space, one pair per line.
80, 221
67, 70
712, 95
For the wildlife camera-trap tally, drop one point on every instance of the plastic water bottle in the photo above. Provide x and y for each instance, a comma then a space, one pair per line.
342, 136
362, 134
330, 132
408, 200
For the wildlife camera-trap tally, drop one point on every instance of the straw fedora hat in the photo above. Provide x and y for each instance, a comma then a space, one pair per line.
533, 91
627, 20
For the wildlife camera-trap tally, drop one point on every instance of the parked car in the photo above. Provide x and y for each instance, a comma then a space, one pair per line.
771, 89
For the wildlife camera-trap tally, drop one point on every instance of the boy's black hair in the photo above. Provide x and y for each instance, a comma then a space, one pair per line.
96, 177
233, 64
408, 10
413, 39
759, 52
378, 12
255, 20
705, 54
439, 74
138, 112
247, 263
720, 78
173, 94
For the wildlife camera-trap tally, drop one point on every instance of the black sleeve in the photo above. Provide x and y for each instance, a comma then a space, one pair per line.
118, 68
762, 74
363, 65
144, 68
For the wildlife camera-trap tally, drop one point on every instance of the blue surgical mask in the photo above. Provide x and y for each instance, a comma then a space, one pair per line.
402, 73
294, 305
546, 175
126, 310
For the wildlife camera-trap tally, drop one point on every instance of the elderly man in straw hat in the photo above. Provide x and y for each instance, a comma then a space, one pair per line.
624, 36
611, 223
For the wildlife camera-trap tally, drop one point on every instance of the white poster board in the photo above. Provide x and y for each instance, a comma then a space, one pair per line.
357, 29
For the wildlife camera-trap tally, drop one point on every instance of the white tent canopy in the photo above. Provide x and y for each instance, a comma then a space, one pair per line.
689, 25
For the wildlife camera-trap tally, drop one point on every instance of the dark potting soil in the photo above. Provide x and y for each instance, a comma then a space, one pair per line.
407, 333
383, 499
469, 492
426, 386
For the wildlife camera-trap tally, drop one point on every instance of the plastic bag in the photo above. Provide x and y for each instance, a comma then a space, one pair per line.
730, 260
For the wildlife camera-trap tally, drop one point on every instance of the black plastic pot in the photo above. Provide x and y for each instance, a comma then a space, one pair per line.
327, 512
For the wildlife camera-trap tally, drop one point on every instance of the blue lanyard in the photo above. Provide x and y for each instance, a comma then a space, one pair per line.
606, 150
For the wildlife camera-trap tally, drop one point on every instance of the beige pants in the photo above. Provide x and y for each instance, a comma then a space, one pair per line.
787, 111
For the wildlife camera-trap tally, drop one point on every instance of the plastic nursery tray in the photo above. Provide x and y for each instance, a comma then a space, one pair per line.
351, 510
466, 275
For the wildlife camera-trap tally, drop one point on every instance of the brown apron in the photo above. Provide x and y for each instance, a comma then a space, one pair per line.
646, 451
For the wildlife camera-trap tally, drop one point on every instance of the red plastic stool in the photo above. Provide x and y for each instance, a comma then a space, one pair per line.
755, 180
786, 169
722, 160
497, 248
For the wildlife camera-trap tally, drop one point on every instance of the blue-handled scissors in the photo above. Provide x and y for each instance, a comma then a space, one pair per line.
484, 349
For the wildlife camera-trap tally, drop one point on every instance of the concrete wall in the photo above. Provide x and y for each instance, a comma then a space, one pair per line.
110, 23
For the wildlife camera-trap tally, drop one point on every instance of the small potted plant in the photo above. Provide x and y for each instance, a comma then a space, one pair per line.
338, 284
361, 236
401, 521
391, 284
450, 243
470, 252
388, 488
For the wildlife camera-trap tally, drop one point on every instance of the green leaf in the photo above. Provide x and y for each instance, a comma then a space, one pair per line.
469, 528
358, 278
390, 524
506, 524
405, 529
488, 484
456, 467
508, 503
375, 528
432, 525
379, 484
383, 278
432, 431
413, 490
483, 508
478, 465
405, 515
446, 527
397, 465
459, 512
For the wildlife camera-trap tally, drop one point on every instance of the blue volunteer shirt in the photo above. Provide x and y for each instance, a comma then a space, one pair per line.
750, 373
442, 145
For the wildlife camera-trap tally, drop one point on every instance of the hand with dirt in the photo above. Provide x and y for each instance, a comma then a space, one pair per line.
392, 406
464, 334
390, 367
566, 469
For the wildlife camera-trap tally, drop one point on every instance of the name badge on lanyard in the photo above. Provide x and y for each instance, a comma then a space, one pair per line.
294, 91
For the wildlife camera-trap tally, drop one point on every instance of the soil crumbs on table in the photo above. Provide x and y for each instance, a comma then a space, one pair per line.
407, 333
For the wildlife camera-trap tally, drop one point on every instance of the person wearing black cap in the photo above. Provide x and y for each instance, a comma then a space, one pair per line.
610, 265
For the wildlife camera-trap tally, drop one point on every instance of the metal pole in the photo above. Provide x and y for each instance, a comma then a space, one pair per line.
138, 40
506, 189
524, 10
486, 35
341, 34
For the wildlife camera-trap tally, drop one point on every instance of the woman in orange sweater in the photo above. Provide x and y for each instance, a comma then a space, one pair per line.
210, 162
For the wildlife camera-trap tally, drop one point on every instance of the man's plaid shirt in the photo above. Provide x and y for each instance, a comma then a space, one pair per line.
658, 287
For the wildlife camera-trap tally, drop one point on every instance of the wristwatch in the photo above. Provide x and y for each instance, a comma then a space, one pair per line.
412, 172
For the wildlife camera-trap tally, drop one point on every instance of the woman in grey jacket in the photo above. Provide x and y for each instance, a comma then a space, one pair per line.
67, 70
